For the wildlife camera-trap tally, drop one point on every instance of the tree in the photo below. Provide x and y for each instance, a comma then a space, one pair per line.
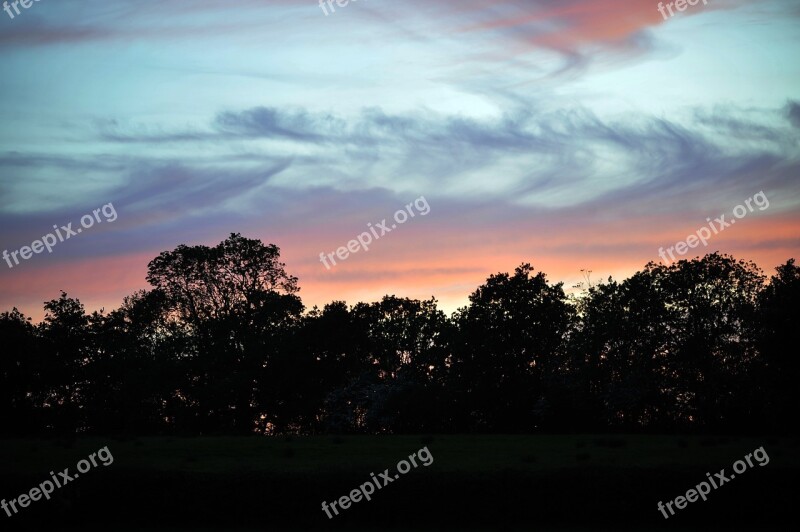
135, 369
509, 343
232, 279
241, 306
778, 339
395, 365
715, 300
20, 374
66, 345
671, 346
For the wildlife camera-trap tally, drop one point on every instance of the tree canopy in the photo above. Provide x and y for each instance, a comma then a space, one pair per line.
222, 344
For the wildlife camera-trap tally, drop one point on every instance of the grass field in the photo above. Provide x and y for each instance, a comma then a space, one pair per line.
575, 482
229, 455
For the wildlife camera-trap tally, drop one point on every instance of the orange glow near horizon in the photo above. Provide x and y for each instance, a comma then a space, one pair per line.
421, 262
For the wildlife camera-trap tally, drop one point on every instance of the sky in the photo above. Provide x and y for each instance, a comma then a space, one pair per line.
570, 134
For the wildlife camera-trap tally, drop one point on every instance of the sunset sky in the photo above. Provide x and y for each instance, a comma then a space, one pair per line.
571, 134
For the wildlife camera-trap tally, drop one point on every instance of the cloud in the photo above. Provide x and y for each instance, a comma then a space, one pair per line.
556, 157
267, 122
507, 27
792, 111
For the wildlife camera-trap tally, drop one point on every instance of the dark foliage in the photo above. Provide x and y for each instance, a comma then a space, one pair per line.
221, 345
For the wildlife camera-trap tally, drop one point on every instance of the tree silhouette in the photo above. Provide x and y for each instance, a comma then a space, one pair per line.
509, 344
240, 304
221, 345
20, 375
778, 340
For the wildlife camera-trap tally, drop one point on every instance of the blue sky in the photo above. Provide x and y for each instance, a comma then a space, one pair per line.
571, 134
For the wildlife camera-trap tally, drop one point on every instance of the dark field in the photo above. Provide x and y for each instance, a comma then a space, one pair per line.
475, 483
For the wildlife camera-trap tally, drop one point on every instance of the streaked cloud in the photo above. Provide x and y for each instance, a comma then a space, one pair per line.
568, 133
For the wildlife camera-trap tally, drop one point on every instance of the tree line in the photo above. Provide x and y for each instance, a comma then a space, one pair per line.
222, 344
